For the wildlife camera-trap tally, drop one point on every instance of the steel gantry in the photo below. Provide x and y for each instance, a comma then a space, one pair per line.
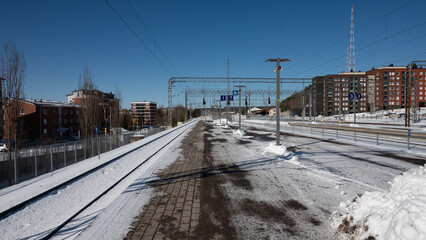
239, 80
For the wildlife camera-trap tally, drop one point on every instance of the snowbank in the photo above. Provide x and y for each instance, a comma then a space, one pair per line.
239, 132
397, 214
278, 150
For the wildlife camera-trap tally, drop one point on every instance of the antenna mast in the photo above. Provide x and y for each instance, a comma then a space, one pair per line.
352, 43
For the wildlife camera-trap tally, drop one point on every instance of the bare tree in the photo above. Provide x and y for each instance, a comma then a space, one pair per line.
87, 114
13, 70
116, 109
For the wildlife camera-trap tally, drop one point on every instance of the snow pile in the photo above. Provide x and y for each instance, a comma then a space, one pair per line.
239, 132
278, 150
353, 125
313, 122
219, 122
397, 214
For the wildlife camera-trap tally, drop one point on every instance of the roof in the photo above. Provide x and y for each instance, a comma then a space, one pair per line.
48, 103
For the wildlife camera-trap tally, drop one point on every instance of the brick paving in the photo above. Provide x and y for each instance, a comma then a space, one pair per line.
174, 213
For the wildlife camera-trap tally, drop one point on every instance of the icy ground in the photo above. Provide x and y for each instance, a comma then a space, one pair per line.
282, 192
327, 176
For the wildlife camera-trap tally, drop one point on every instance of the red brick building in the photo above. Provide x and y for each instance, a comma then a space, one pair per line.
41, 120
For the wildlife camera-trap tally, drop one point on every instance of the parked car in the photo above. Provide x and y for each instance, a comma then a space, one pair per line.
3, 147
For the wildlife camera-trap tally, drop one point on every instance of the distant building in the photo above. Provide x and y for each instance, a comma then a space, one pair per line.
43, 120
384, 88
105, 102
144, 113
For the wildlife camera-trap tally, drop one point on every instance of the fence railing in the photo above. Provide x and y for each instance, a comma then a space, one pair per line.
22, 165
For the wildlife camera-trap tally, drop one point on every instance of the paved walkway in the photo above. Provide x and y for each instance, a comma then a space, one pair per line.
175, 212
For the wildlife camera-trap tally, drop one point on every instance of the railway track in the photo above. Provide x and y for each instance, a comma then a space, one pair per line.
174, 134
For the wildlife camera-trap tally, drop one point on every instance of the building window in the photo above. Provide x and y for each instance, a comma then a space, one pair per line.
65, 120
65, 112
45, 121
44, 111
71, 112
45, 131
21, 111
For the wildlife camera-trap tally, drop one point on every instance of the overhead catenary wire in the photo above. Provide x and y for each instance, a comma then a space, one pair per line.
277, 35
380, 51
357, 30
139, 38
151, 35
364, 47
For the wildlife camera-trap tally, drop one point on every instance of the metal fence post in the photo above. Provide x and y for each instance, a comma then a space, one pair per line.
377, 138
65, 156
408, 139
84, 149
51, 159
105, 143
35, 163
75, 151
92, 148
355, 136
110, 144
15, 167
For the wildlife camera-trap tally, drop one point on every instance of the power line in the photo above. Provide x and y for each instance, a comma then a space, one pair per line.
364, 47
277, 35
357, 30
140, 40
150, 34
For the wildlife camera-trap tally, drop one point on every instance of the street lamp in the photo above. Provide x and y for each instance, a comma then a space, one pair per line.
239, 105
277, 108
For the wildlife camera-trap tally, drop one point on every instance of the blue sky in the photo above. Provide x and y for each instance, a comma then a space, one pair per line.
59, 38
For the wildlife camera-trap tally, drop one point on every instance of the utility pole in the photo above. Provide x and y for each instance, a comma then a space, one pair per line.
277, 107
227, 96
239, 106
303, 101
310, 102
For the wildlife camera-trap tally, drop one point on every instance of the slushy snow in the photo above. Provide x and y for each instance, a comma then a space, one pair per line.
397, 214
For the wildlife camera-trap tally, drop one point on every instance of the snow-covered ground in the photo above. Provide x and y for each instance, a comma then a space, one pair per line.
36, 220
311, 175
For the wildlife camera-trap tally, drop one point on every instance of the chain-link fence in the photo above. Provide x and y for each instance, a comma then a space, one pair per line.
22, 165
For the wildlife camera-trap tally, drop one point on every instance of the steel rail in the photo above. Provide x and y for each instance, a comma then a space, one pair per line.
38, 196
63, 224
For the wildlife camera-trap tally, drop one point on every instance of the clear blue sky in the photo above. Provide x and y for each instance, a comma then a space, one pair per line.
59, 38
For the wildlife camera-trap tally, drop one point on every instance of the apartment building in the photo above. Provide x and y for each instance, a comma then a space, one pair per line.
332, 93
384, 88
143, 113
390, 86
43, 120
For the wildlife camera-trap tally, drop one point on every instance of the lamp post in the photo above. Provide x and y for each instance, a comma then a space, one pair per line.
239, 105
277, 108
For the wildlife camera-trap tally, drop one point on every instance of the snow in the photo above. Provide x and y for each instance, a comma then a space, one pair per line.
239, 132
39, 218
321, 173
278, 150
399, 213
